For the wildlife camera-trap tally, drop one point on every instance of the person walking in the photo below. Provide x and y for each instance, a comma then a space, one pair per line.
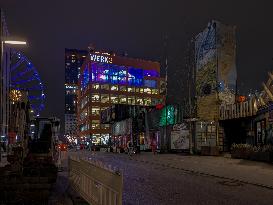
129, 147
153, 145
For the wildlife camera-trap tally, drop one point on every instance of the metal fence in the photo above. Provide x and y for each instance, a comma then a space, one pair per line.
97, 183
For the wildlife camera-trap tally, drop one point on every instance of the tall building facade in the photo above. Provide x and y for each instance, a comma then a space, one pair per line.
73, 62
216, 76
216, 73
107, 79
5, 79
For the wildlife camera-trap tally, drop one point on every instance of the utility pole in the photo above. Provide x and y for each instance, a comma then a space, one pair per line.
166, 89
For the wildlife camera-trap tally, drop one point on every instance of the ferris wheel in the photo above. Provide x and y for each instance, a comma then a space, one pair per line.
24, 77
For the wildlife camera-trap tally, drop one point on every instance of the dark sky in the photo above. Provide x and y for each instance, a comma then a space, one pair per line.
138, 27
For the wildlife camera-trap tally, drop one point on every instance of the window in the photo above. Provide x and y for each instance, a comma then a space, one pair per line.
135, 76
84, 127
104, 139
131, 89
122, 99
139, 101
122, 88
104, 87
114, 87
105, 126
122, 75
151, 73
95, 97
114, 98
95, 124
104, 98
147, 90
147, 101
155, 91
131, 100
150, 83
96, 139
141, 90
96, 86
156, 101
95, 110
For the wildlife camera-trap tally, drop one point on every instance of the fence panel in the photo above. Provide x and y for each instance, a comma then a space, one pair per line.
96, 183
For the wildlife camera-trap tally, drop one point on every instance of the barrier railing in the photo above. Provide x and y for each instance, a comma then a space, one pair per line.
97, 183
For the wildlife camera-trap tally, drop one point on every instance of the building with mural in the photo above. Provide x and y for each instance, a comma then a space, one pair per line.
73, 61
108, 79
216, 76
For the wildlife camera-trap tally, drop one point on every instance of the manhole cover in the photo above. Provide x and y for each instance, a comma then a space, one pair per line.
230, 183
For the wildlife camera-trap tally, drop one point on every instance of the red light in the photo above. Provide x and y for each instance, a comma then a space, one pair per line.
159, 106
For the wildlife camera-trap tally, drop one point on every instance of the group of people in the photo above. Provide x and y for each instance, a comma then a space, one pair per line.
131, 149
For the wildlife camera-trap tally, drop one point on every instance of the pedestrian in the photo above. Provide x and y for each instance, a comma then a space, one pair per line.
129, 147
153, 145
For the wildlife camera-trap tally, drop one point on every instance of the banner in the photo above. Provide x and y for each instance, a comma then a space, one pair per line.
180, 138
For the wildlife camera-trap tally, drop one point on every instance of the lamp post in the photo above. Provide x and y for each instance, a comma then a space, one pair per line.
8, 42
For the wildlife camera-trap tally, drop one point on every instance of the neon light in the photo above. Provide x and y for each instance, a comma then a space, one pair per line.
100, 58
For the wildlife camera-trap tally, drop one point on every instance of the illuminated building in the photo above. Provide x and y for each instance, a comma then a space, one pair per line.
73, 61
107, 79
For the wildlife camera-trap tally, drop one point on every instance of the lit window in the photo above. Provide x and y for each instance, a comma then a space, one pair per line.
114, 87
114, 99
131, 100
141, 90
96, 86
95, 124
95, 97
131, 89
155, 91
147, 90
104, 139
147, 101
137, 90
104, 98
95, 110
96, 139
122, 99
139, 101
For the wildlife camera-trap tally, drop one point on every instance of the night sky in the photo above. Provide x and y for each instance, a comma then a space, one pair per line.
138, 27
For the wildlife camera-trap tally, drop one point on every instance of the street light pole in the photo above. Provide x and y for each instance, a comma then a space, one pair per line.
7, 42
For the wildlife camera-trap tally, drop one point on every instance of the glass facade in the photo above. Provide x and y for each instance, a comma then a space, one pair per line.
73, 62
134, 82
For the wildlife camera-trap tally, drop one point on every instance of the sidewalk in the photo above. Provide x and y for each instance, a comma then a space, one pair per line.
257, 173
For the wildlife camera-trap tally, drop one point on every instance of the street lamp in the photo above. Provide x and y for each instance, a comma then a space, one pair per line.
9, 42
12, 42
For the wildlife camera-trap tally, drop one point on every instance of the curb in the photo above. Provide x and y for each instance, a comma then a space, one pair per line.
206, 174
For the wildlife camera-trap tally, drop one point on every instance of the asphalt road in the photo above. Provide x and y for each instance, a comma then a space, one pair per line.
146, 183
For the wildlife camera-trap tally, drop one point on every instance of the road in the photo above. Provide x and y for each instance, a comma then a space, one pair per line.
147, 183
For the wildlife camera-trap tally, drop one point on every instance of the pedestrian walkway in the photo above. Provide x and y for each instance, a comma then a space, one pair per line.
251, 172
